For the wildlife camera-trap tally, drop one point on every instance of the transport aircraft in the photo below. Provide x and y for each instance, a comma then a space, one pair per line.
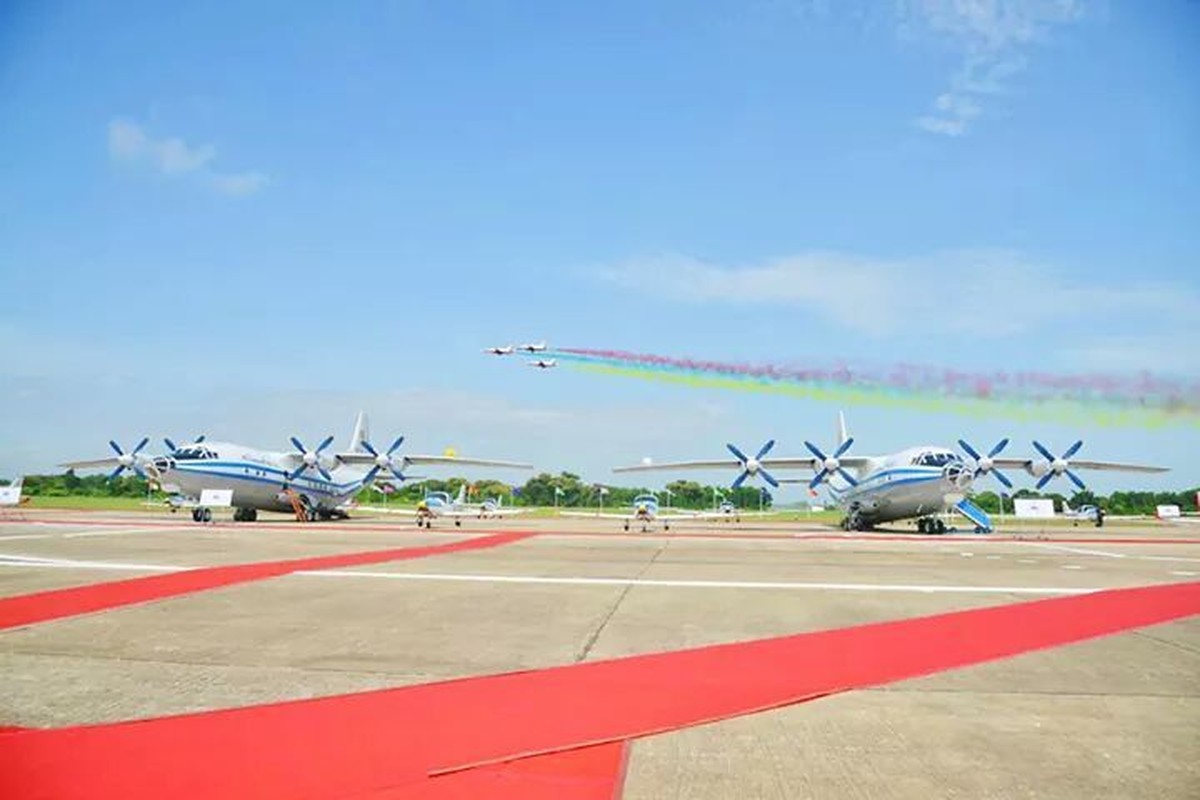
437, 505
314, 483
919, 483
544, 363
645, 511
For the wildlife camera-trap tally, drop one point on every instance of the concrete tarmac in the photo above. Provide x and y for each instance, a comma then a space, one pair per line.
1116, 717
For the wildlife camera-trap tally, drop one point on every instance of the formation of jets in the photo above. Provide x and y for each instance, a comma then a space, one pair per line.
532, 348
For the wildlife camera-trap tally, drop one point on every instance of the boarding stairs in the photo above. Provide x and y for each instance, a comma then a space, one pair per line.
982, 521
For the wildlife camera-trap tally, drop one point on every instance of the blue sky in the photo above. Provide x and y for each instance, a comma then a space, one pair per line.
254, 221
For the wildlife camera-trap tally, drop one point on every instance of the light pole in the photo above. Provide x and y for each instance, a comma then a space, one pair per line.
669, 495
600, 492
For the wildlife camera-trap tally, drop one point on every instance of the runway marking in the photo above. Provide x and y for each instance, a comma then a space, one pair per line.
1184, 574
697, 584
57, 603
110, 532
1106, 554
413, 740
1072, 566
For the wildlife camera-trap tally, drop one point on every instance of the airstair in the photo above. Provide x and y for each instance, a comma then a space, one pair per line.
983, 523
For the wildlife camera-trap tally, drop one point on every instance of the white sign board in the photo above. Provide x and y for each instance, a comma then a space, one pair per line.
216, 498
1026, 508
10, 495
1166, 512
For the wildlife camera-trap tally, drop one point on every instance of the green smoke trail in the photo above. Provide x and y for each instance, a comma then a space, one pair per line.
1056, 411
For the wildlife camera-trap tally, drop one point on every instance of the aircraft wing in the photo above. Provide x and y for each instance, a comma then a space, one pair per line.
366, 459
95, 463
1107, 466
595, 515
801, 462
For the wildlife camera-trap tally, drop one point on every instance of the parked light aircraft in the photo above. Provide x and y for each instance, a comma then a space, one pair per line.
1092, 514
322, 483
10, 496
534, 347
644, 510
544, 363
920, 482
500, 351
436, 505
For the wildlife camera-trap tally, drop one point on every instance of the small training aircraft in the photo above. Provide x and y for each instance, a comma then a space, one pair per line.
10, 496
920, 482
436, 505
535, 347
544, 363
644, 510
1088, 513
313, 483
506, 350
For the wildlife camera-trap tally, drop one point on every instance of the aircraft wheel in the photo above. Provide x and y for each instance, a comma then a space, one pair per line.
666, 527
428, 524
195, 515
251, 515
626, 526
458, 523
206, 515
940, 526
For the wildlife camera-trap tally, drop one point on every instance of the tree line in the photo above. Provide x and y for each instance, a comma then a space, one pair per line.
569, 490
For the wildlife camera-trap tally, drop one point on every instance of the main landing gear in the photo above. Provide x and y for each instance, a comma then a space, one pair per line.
855, 522
931, 525
245, 514
201, 515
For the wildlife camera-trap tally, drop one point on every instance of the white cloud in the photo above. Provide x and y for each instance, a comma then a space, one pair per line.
992, 37
173, 157
975, 293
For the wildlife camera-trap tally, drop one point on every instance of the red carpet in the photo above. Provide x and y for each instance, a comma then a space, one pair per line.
397, 739
42, 606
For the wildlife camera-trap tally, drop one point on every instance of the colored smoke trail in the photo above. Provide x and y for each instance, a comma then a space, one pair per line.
1143, 400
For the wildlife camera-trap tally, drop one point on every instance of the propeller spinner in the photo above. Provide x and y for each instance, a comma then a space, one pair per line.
752, 466
312, 459
384, 461
829, 464
984, 464
129, 460
1059, 466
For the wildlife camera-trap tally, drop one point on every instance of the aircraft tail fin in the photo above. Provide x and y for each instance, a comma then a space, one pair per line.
842, 434
462, 495
17, 483
361, 433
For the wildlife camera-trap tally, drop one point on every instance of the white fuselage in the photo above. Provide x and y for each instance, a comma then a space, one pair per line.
257, 478
917, 482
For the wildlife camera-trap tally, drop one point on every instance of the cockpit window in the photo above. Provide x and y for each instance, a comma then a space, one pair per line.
934, 459
193, 454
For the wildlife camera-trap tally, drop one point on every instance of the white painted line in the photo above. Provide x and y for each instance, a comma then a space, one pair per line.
111, 532
1185, 574
1079, 551
62, 563
1072, 566
681, 584
26, 536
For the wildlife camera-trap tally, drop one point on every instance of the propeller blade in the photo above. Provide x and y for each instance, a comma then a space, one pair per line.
367, 446
812, 448
139, 472
116, 473
324, 473
1072, 450
146, 440
740, 479
1046, 454
296, 444
969, 450
199, 439
738, 454
328, 441
1045, 479
370, 476
298, 472
1075, 480
116, 447
170, 445
766, 448
395, 445
843, 447
847, 477
1000, 476
1000, 445
766, 476
817, 479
